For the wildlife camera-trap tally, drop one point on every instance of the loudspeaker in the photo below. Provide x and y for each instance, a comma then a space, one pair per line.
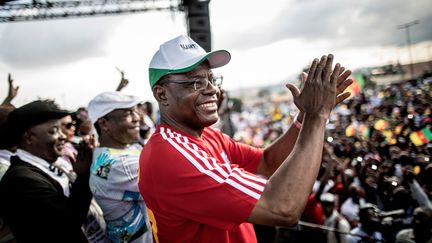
198, 8
199, 23
198, 20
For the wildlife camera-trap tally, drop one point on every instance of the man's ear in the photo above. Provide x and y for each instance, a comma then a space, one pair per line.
27, 138
160, 94
103, 124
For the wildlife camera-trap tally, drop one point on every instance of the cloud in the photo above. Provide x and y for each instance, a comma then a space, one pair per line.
54, 42
344, 23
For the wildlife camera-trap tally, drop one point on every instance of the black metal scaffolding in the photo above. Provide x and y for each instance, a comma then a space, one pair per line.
13, 11
197, 12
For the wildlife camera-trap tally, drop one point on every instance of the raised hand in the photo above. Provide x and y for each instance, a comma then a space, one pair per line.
12, 92
85, 156
319, 93
71, 155
408, 175
343, 82
123, 83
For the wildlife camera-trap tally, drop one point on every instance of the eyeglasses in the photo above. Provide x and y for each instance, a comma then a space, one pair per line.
69, 124
198, 84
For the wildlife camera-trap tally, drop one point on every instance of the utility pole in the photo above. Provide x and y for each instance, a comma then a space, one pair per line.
430, 56
406, 26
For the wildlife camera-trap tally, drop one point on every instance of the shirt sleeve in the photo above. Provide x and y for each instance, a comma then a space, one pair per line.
246, 156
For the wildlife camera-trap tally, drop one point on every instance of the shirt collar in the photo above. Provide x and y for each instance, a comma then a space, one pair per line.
6, 154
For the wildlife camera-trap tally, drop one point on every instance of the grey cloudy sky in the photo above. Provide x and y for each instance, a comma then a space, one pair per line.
349, 23
73, 60
38, 44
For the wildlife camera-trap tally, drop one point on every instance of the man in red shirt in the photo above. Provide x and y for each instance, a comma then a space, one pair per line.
199, 184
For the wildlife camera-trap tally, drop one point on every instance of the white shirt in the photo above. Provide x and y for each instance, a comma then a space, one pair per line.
114, 184
4, 161
343, 226
358, 233
350, 209
5, 156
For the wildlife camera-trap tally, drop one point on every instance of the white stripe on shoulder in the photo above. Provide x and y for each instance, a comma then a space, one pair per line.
200, 159
254, 178
196, 151
200, 154
190, 158
243, 189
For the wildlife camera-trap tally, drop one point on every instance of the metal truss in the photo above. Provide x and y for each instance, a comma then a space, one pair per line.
12, 11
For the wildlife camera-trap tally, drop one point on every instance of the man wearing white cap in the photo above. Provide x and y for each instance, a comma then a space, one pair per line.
198, 183
333, 219
114, 171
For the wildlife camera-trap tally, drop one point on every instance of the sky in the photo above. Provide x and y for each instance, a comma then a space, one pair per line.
73, 60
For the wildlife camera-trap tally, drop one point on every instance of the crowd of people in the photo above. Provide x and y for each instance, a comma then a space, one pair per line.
380, 147
98, 199
319, 168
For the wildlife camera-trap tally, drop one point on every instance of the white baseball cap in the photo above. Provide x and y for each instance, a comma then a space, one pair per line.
106, 102
181, 55
327, 197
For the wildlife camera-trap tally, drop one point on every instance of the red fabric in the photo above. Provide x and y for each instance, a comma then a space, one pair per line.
313, 212
199, 190
338, 188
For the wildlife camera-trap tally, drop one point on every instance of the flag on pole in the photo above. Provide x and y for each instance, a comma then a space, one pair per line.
350, 131
421, 137
381, 125
357, 85
389, 137
360, 80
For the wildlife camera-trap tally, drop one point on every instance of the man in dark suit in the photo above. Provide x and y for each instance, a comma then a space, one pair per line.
37, 200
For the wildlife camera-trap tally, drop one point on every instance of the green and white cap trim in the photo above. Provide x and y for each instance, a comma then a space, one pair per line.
181, 55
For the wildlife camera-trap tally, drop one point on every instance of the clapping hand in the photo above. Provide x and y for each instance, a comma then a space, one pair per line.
320, 91
343, 81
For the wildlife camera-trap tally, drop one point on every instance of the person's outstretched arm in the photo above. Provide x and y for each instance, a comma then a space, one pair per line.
417, 191
123, 81
286, 191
